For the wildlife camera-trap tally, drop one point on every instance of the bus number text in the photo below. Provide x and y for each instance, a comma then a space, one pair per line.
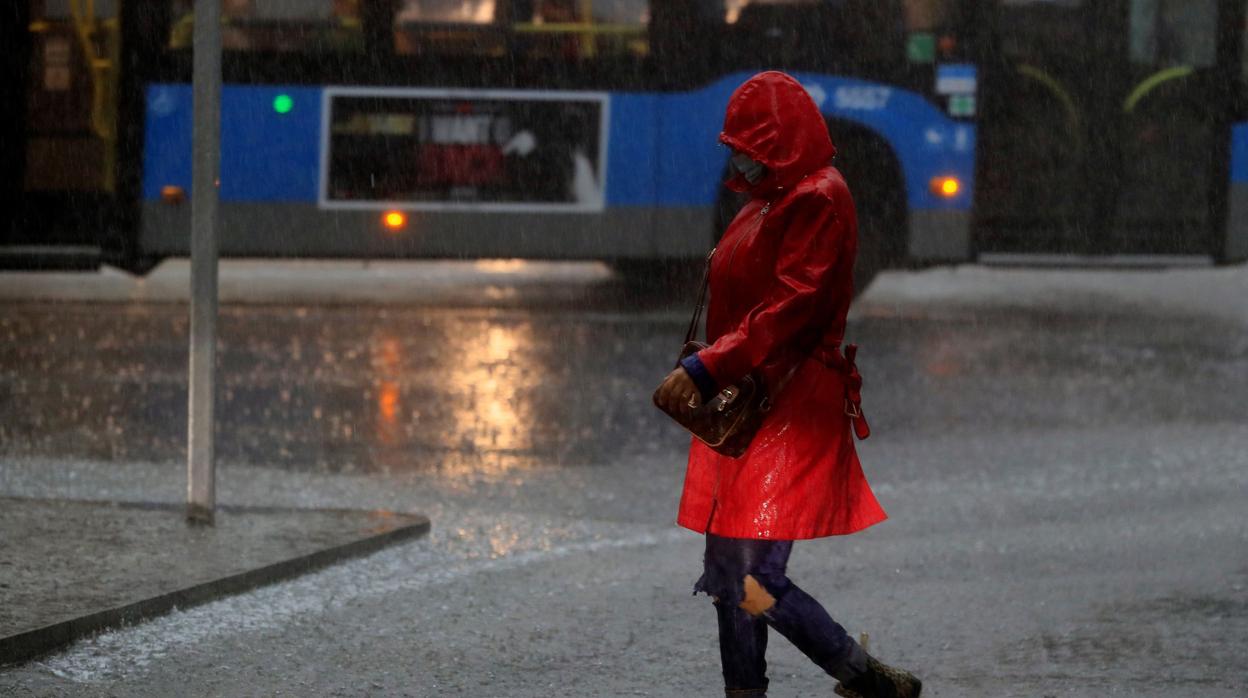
862, 98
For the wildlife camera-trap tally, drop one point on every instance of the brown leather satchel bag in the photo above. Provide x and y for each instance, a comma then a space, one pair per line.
726, 423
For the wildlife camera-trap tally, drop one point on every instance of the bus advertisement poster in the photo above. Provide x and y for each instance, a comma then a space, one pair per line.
467, 150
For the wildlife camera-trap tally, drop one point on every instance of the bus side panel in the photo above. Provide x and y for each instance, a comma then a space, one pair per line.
1236, 246
633, 158
632, 150
691, 159
265, 155
270, 176
167, 140
663, 170
928, 144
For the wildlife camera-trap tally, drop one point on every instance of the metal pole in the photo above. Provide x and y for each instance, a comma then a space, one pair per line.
206, 158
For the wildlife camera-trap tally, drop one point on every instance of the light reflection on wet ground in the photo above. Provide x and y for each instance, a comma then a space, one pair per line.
338, 389
490, 390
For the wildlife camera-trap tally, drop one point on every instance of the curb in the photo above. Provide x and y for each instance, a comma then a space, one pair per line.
27, 645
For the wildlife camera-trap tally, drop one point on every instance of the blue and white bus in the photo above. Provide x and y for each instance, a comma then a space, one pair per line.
586, 129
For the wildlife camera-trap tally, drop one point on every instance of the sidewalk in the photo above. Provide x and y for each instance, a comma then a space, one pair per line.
70, 568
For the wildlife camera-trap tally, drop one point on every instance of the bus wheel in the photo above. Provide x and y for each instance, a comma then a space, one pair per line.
872, 257
874, 177
881, 232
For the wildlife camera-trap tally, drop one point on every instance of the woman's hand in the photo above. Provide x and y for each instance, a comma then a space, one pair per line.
679, 393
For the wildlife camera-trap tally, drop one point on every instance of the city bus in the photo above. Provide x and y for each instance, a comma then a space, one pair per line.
587, 129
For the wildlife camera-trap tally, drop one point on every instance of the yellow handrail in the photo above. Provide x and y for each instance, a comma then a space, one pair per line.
577, 28
1063, 97
1152, 82
589, 41
103, 78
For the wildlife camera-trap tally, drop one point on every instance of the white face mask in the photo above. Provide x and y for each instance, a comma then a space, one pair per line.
751, 169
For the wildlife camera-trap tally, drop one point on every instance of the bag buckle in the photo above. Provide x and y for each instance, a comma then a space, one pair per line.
852, 410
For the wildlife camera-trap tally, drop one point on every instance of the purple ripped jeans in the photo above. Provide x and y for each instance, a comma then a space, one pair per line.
794, 614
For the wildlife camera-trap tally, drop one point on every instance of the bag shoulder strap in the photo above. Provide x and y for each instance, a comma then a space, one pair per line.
697, 309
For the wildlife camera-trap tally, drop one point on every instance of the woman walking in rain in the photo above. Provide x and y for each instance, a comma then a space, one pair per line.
780, 286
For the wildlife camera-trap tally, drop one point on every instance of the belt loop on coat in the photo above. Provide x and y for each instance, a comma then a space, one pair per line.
853, 394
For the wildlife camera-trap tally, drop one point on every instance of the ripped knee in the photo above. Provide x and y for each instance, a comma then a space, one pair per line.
757, 599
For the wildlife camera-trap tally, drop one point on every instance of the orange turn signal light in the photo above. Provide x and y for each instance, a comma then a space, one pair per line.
172, 194
394, 220
947, 187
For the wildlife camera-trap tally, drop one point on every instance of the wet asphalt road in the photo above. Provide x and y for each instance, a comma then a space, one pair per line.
1064, 456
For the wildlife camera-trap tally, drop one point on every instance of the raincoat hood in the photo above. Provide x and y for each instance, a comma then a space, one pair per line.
772, 119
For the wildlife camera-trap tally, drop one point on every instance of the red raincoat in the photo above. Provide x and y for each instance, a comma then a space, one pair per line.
781, 282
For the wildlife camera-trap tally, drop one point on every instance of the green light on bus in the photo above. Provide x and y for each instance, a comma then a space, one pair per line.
282, 104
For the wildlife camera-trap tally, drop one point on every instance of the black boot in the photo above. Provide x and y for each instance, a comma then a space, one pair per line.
881, 681
745, 692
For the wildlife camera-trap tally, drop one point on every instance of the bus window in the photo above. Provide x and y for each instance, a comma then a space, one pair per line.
1034, 28
567, 30
930, 30
577, 29
277, 25
449, 28
69, 9
1166, 33
925, 15
812, 34
733, 8
72, 105
1243, 51
448, 11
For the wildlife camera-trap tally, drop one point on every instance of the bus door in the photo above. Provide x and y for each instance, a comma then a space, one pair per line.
67, 181
1104, 127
